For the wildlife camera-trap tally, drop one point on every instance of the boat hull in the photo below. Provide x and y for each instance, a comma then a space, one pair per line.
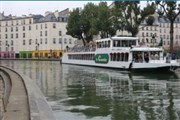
136, 67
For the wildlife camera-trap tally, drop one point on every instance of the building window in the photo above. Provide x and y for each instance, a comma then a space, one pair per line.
6, 29
147, 34
11, 35
40, 33
168, 43
65, 41
176, 42
167, 36
11, 48
6, 23
176, 36
12, 42
46, 26
60, 40
23, 35
30, 21
11, 29
23, 42
143, 34
41, 41
23, 28
146, 28
6, 42
16, 28
36, 41
60, 33
54, 40
164, 42
41, 26
70, 41
6, 36
29, 41
0, 36
45, 40
45, 33
29, 27
0, 43
143, 40
160, 30
164, 30
54, 25
16, 35
23, 22
36, 27
147, 41
17, 22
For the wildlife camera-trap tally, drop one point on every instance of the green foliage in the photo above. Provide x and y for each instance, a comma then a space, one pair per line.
91, 20
131, 16
150, 20
73, 26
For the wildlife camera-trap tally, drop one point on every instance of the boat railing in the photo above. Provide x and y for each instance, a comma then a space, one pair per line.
82, 49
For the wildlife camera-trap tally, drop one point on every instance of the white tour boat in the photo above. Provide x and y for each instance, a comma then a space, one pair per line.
121, 53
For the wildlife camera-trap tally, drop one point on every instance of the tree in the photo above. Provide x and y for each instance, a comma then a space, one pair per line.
82, 24
105, 24
171, 10
74, 25
132, 16
150, 20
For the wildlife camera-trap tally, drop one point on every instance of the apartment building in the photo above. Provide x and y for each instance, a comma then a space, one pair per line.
35, 36
160, 30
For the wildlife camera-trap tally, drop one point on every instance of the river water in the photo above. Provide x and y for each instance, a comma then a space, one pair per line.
88, 93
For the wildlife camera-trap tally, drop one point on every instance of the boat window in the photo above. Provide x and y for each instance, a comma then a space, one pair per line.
123, 43
154, 55
108, 43
126, 56
146, 57
118, 44
137, 57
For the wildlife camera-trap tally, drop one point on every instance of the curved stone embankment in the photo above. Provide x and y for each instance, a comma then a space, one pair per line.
25, 101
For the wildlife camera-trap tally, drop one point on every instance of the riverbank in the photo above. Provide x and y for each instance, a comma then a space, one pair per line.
25, 100
40, 59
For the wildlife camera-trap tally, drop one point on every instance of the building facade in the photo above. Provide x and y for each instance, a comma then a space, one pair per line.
35, 36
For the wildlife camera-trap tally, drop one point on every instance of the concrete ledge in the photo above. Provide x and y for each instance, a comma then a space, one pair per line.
38, 106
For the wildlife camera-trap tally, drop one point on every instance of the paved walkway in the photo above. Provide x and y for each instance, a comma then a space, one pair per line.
17, 108
26, 102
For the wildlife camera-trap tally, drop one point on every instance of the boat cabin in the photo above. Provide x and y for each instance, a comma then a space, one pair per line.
116, 42
127, 49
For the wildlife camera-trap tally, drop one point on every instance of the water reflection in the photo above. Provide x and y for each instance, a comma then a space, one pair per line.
77, 92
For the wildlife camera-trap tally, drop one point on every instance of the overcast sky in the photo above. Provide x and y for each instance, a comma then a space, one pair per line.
19, 8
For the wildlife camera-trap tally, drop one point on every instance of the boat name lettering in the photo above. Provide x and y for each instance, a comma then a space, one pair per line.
101, 58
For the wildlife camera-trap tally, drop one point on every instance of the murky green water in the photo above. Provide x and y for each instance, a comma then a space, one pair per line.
88, 93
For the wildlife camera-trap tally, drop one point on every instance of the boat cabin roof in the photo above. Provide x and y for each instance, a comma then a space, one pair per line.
118, 38
146, 49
